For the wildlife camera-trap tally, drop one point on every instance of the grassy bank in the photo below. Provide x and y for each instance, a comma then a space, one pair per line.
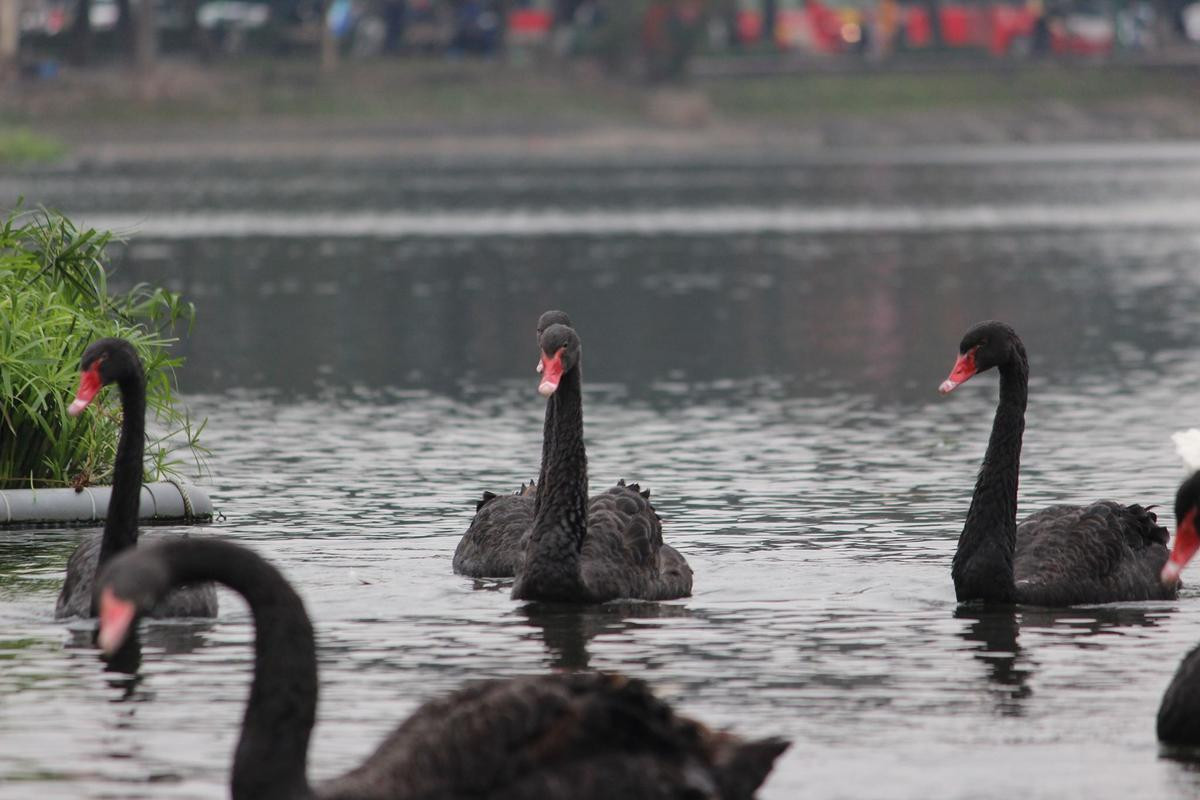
22, 145
416, 103
473, 92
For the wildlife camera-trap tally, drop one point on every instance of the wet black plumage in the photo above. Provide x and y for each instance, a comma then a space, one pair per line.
119, 363
492, 546
1061, 555
581, 551
583, 736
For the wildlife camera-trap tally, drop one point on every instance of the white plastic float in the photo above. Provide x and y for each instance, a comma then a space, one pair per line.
163, 503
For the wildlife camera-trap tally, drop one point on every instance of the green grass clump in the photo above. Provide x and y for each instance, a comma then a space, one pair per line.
54, 301
23, 146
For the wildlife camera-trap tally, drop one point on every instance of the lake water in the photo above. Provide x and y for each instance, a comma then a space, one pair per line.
763, 341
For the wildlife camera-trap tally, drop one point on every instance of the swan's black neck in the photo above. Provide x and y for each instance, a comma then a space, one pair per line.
983, 564
1179, 713
552, 559
547, 451
120, 523
272, 754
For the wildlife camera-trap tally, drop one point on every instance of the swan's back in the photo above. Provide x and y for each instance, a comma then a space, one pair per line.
491, 547
582, 736
75, 597
624, 554
1098, 553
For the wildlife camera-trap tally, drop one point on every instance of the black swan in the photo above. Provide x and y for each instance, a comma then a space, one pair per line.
491, 547
581, 552
576, 735
1059, 556
1179, 714
107, 361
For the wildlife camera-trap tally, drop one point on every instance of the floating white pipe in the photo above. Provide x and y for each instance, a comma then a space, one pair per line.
163, 502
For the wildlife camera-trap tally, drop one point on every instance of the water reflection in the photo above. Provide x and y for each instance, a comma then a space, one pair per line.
994, 633
447, 314
566, 629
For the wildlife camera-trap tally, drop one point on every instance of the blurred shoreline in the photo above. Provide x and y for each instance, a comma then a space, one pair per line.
405, 109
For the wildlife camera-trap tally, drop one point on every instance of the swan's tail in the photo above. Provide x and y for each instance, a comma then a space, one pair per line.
643, 492
1145, 522
744, 765
526, 490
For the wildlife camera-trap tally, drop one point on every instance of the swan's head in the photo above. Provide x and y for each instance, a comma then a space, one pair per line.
986, 345
552, 318
1187, 540
560, 354
104, 361
547, 319
130, 585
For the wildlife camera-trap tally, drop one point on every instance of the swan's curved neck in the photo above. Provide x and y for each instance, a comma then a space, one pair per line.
120, 523
547, 451
983, 564
272, 754
560, 521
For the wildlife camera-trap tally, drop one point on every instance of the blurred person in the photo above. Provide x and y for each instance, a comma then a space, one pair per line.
395, 14
477, 28
887, 23
1040, 46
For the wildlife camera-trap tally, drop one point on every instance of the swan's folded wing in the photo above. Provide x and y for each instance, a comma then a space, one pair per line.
522, 738
491, 547
1070, 554
75, 598
623, 517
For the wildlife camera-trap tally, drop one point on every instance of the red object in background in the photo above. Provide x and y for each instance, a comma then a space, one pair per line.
749, 26
992, 26
825, 26
530, 22
998, 27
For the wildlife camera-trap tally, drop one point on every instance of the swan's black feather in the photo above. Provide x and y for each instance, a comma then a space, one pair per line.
491, 547
583, 735
1179, 713
1098, 553
116, 361
75, 599
579, 550
1062, 555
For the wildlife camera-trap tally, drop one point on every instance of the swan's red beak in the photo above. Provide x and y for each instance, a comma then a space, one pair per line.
552, 370
1187, 542
964, 368
116, 617
89, 384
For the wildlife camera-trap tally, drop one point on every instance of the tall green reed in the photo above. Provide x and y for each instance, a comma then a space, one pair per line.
54, 301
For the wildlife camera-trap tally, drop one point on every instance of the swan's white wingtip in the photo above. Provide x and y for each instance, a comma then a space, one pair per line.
1187, 444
